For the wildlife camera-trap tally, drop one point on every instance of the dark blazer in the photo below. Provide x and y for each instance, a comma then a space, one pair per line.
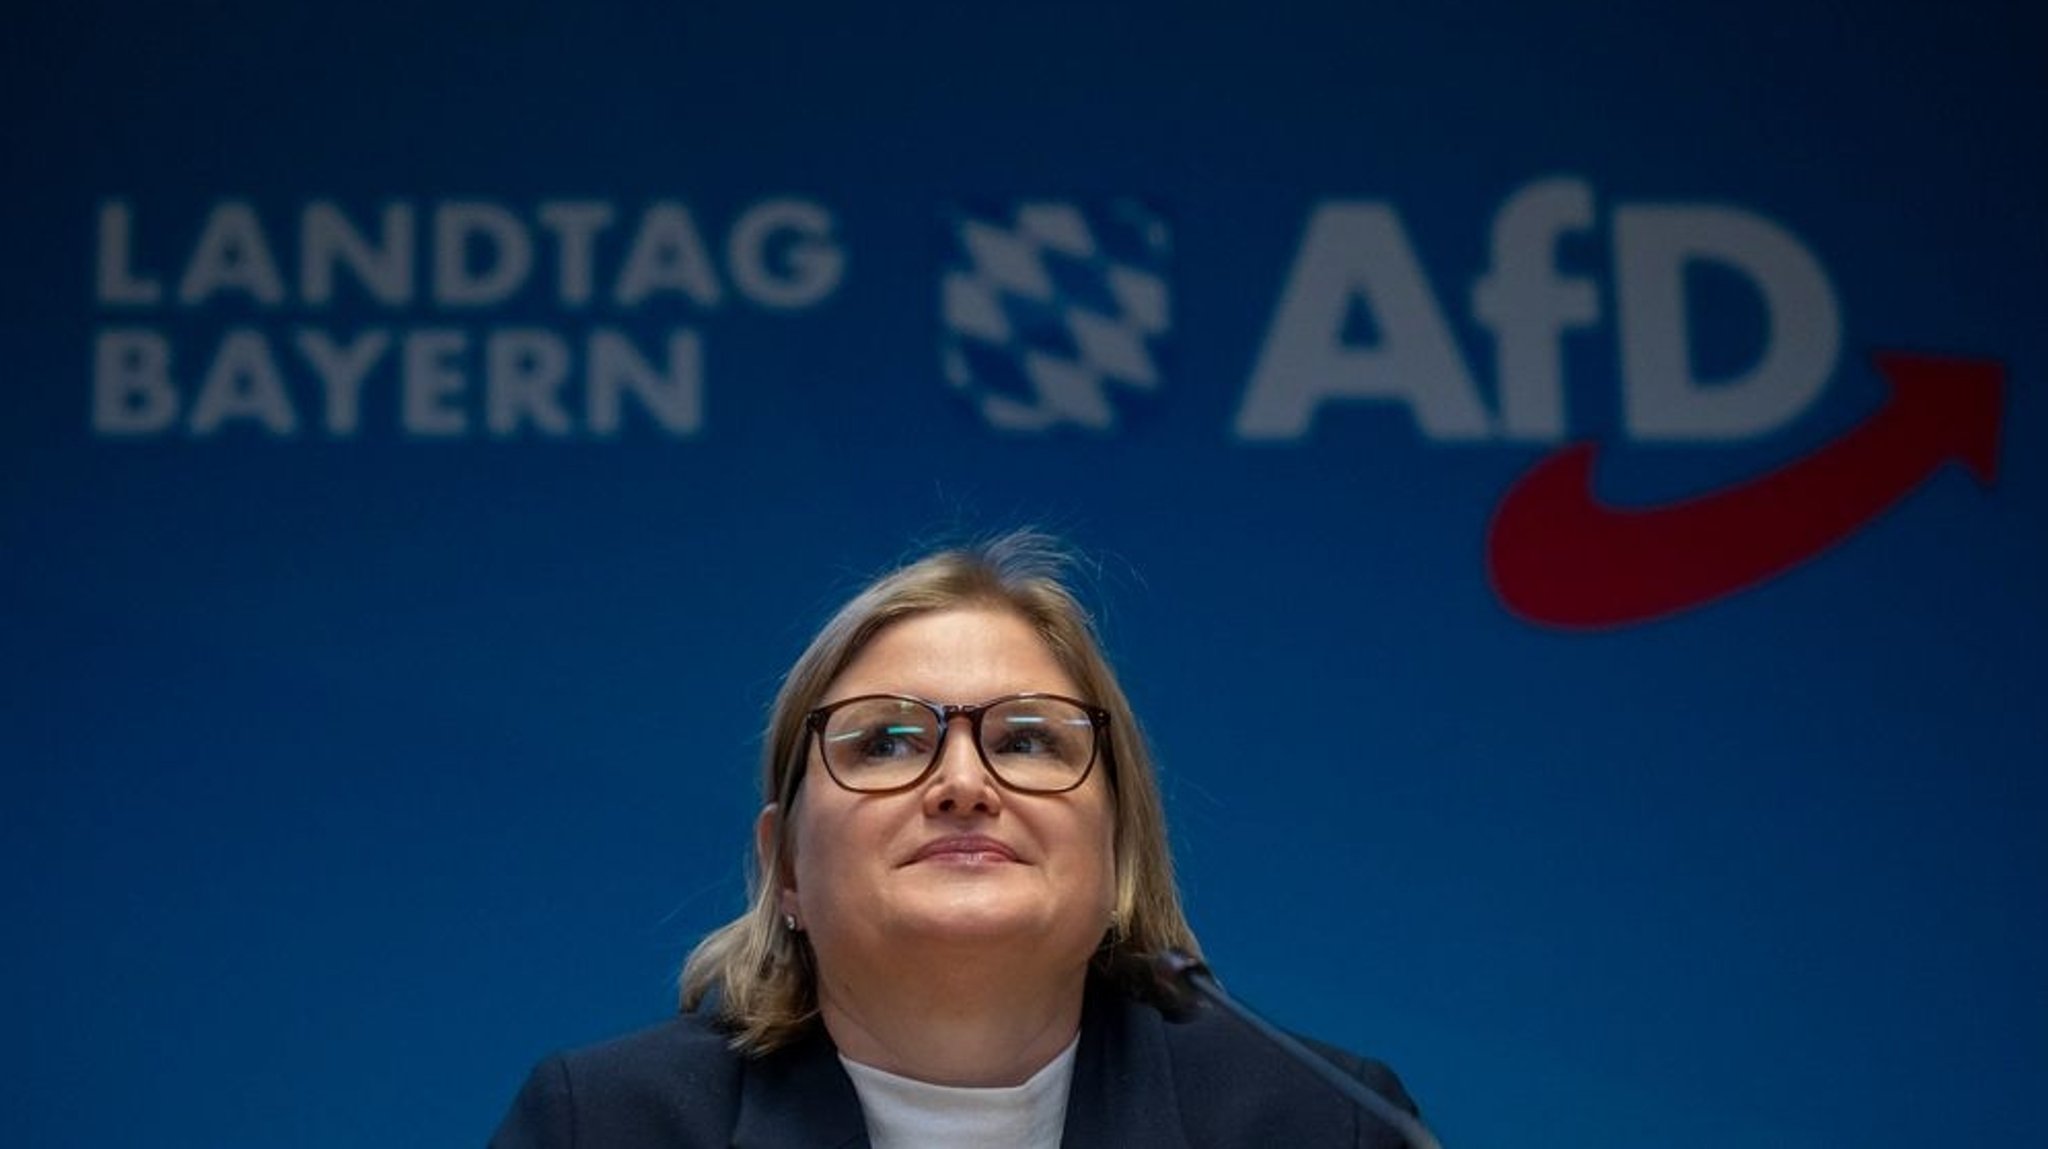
1140, 1082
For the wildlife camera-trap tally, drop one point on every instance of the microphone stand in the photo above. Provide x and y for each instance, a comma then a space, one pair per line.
1184, 976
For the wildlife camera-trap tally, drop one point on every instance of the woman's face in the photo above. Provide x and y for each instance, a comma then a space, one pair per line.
956, 858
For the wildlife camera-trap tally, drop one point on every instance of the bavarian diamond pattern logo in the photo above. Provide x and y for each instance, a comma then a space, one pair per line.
1055, 312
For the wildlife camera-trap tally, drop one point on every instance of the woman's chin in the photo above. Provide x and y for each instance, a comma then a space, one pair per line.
979, 923
975, 916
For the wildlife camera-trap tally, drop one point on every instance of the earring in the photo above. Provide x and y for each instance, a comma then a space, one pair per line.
789, 923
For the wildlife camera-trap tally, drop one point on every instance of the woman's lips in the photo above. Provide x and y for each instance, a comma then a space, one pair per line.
967, 849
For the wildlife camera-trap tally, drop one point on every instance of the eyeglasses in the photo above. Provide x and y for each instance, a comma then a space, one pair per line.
1033, 743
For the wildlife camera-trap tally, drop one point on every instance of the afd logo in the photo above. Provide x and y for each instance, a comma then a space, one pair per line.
1051, 308
1557, 553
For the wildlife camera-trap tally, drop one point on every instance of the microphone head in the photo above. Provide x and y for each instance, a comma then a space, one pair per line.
1173, 974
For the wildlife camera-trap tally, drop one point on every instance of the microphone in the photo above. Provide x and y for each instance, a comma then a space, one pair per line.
1183, 980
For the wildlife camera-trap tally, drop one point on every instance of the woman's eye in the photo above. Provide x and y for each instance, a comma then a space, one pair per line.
1029, 743
892, 742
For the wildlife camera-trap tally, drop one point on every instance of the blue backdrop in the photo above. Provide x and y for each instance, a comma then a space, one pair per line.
430, 433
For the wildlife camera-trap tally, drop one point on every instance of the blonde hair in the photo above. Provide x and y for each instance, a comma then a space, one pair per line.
758, 975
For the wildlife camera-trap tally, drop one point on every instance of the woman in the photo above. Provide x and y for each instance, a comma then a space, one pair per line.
962, 865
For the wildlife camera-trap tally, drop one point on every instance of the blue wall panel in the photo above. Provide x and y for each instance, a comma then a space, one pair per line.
429, 435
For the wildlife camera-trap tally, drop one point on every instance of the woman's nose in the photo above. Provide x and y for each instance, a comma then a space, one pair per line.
961, 780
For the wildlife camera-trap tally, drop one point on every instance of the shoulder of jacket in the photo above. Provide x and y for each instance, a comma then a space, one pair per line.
1217, 1056
686, 1050
683, 1041
673, 1084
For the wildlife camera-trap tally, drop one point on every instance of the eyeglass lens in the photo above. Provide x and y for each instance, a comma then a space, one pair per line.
886, 742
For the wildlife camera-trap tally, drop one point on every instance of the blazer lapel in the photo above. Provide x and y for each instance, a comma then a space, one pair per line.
799, 1098
1122, 1096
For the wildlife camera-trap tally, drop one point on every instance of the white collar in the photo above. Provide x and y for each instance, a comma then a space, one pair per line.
904, 1113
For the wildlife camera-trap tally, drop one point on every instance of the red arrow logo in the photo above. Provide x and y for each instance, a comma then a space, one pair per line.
1559, 556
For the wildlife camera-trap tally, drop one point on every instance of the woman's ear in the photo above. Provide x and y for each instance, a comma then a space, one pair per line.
778, 867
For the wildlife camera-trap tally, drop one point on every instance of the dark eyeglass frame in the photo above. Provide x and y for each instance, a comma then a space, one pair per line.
945, 712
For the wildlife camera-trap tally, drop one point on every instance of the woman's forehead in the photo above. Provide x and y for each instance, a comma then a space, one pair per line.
962, 654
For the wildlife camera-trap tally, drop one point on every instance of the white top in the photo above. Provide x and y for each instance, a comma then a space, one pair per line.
907, 1114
